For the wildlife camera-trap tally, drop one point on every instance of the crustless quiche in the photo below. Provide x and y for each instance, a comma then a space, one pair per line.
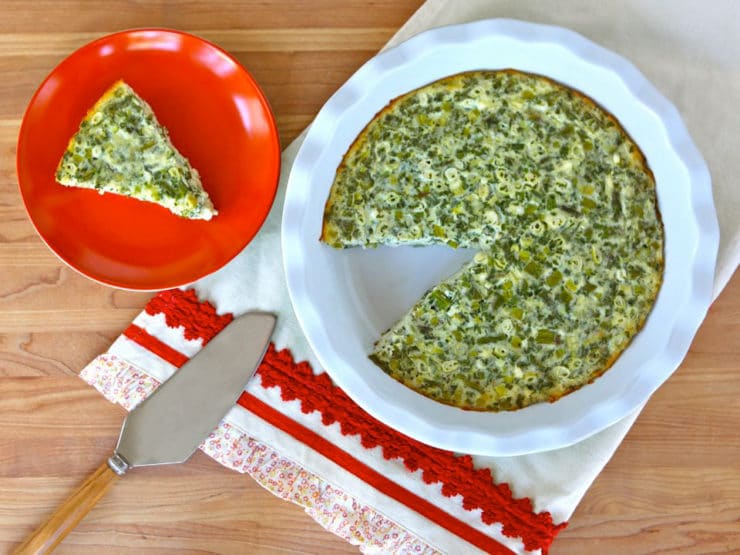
561, 207
121, 148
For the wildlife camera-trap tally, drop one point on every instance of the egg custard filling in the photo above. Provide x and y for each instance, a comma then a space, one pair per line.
121, 148
559, 203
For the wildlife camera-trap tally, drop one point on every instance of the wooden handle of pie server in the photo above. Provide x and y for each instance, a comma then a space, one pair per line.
47, 536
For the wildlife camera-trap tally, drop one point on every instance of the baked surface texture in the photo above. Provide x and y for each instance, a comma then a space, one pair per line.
559, 203
121, 148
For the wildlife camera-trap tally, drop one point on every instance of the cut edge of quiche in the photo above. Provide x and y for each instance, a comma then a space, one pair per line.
121, 148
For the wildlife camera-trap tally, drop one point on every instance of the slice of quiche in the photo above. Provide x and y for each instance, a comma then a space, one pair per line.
121, 148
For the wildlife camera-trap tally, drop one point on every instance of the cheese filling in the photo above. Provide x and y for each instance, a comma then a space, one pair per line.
121, 148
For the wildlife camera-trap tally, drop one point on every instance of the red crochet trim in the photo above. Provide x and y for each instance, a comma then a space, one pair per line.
457, 474
183, 308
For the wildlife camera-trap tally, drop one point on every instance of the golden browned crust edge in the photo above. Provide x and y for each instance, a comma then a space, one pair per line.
326, 228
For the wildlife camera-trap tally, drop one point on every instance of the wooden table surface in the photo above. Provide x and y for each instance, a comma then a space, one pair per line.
672, 487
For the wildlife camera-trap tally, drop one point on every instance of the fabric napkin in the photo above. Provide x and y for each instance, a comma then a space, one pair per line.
303, 439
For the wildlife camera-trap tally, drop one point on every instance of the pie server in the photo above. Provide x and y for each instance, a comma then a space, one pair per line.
169, 425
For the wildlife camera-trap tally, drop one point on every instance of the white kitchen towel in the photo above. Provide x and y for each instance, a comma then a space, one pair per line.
359, 478
689, 51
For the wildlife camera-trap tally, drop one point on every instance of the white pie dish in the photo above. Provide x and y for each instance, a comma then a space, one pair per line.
345, 299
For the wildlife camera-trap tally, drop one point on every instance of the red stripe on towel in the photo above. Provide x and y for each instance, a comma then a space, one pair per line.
151, 343
371, 476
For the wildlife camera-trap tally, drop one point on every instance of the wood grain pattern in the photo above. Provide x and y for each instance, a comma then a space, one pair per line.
68, 515
672, 487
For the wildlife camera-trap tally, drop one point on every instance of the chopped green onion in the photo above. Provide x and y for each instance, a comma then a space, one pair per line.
545, 336
554, 278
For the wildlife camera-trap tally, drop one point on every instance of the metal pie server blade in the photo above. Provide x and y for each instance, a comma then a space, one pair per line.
169, 425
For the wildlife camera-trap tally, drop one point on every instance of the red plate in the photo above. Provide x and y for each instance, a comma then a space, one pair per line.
217, 117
